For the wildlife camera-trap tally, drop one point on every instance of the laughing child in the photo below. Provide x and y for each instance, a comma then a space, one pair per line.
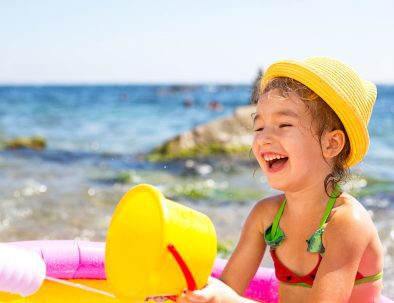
310, 128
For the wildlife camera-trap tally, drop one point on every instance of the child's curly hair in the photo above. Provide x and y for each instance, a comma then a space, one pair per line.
323, 117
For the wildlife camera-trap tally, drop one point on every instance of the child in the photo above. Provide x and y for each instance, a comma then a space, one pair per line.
310, 127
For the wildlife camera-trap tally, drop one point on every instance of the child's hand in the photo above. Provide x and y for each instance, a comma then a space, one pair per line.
215, 292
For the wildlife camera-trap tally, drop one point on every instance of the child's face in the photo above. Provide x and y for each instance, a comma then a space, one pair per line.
285, 145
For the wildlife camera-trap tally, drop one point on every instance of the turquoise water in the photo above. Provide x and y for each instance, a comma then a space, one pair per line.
97, 137
110, 119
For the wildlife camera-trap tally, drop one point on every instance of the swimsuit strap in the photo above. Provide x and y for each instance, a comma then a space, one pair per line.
369, 279
275, 224
327, 211
274, 235
330, 204
315, 242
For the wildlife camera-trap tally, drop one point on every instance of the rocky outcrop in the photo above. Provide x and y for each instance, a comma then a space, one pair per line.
35, 142
223, 136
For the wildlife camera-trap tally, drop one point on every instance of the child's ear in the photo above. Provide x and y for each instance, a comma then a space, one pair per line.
333, 143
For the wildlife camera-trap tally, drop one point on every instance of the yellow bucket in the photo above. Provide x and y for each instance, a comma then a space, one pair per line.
157, 247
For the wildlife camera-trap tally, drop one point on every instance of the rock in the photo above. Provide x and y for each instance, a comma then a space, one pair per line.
230, 135
35, 142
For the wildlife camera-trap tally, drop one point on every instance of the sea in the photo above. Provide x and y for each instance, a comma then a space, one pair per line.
97, 141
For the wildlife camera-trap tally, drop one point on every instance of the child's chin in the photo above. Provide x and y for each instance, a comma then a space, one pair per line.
277, 185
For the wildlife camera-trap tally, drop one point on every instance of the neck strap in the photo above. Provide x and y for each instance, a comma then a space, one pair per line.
330, 204
275, 224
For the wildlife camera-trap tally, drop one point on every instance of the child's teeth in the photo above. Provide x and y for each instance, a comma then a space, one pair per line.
273, 157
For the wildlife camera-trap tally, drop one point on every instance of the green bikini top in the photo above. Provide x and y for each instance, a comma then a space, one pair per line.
274, 235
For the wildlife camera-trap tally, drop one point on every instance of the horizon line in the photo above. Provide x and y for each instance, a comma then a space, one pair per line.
175, 83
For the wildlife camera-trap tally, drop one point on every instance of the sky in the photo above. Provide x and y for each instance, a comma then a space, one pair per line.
186, 42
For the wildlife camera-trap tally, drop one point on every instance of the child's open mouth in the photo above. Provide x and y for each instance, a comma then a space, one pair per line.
275, 162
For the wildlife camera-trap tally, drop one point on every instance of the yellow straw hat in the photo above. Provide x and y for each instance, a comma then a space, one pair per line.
351, 98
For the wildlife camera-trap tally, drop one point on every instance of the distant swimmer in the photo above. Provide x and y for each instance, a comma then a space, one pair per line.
215, 105
188, 102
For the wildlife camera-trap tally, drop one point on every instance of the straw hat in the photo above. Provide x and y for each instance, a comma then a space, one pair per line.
351, 98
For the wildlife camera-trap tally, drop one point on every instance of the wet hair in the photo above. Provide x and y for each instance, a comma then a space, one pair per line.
323, 119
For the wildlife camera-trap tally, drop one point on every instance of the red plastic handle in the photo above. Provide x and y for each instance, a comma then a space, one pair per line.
172, 298
191, 283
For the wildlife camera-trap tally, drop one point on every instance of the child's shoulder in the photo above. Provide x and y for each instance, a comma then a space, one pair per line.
267, 208
347, 205
272, 203
349, 213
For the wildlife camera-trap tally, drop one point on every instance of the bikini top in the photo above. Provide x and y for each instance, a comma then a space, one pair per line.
274, 236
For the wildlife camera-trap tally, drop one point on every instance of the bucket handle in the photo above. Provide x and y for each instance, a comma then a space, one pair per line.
191, 283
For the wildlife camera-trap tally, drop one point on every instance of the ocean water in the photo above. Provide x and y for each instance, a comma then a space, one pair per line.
97, 138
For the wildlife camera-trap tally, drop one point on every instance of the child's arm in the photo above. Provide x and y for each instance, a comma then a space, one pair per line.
346, 238
247, 256
240, 268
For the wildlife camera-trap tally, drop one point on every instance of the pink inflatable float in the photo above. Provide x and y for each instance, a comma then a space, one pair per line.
83, 262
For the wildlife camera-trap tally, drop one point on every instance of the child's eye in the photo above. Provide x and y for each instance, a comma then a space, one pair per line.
259, 129
285, 125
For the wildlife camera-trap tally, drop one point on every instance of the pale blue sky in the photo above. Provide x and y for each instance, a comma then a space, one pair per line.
199, 41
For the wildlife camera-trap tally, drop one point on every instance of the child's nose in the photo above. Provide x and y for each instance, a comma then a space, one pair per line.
265, 136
